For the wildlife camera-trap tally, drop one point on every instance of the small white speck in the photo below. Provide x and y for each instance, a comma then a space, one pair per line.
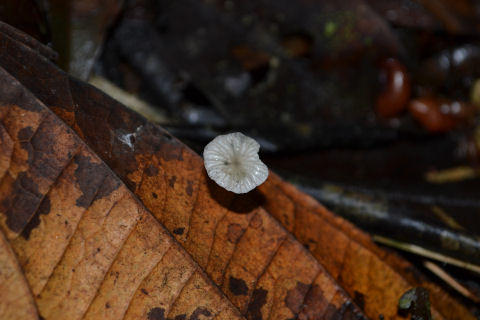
456, 107
129, 138
237, 85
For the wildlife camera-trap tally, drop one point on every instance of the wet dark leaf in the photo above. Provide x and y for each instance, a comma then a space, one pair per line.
78, 30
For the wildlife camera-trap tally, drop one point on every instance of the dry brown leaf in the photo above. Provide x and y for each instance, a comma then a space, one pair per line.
244, 243
87, 246
16, 299
369, 274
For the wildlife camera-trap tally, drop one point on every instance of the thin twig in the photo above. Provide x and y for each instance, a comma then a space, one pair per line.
442, 274
426, 253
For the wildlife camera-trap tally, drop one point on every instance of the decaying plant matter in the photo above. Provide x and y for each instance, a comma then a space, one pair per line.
111, 217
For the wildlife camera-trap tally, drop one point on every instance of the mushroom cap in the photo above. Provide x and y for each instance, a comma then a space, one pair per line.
232, 162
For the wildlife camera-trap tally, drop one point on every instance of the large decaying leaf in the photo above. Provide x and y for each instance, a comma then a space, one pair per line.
90, 249
87, 246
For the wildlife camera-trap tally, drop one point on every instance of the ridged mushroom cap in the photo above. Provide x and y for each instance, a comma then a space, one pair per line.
232, 161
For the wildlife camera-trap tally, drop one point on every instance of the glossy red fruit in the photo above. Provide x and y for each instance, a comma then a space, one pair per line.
396, 88
439, 115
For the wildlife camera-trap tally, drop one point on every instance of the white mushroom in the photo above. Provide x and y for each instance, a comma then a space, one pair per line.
232, 162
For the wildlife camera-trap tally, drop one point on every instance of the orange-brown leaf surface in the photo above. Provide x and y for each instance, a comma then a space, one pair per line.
89, 249
16, 299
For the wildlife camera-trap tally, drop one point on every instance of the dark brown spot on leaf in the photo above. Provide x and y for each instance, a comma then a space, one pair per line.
256, 222
47, 162
21, 205
34, 222
254, 310
200, 311
25, 183
25, 134
154, 195
151, 170
25, 145
156, 314
189, 188
295, 297
314, 301
144, 291
234, 232
237, 286
89, 176
179, 231
171, 181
